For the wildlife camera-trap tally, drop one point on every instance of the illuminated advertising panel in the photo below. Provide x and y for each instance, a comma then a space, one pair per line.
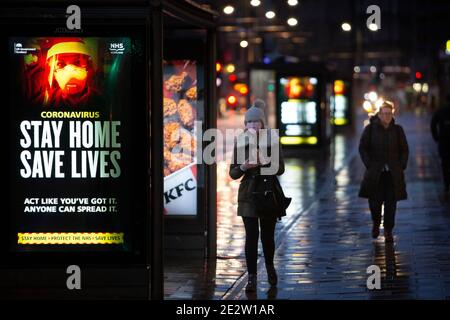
181, 101
340, 103
71, 143
298, 110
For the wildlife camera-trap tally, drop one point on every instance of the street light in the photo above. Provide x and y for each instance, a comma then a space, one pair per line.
232, 99
346, 27
244, 43
373, 27
373, 96
270, 14
218, 67
292, 22
228, 9
292, 2
379, 103
417, 87
367, 106
230, 68
255, 3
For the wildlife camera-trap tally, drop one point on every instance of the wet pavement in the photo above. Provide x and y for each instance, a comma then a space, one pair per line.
324, 246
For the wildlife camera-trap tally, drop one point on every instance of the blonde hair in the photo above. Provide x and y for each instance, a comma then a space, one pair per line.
387, 104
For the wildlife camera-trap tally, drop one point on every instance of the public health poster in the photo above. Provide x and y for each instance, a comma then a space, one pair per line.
69, 128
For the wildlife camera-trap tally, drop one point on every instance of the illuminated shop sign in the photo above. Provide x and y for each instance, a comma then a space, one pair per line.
298, 110
340, 103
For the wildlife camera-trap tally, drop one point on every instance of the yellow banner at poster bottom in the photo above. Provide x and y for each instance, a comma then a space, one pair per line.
70, 238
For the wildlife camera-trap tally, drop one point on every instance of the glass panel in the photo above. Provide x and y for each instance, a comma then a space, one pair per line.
181, 104
184, 78
263, 87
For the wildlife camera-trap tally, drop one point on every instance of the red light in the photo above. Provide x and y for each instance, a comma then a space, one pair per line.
418, 75
218, 67
232, 78
231, 99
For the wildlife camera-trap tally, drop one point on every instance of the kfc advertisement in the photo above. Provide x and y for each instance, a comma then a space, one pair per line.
180, 142
70, 143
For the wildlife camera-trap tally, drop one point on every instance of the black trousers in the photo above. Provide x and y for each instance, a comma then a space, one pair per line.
251, 241
445, 163
384, 195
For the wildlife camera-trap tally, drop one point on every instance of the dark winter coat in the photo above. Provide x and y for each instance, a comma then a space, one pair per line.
246, 207
440, 129
379, 146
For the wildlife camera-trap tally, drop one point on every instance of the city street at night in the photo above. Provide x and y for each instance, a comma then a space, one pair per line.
220, 158
323, 246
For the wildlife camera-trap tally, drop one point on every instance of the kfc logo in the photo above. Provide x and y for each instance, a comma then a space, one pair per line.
180, 197
177, 192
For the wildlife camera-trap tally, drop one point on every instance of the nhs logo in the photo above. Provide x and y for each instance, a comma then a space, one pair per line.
116, 48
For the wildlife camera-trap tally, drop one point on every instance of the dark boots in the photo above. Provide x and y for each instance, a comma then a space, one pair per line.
253, 279
251, 284
388, 236
271, 275
375, 230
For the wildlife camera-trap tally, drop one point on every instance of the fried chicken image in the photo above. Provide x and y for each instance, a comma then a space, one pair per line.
191, 94
170, 107
171, 134
179, 161
167, 154
186, 113
166, 171
176, 82
187, 144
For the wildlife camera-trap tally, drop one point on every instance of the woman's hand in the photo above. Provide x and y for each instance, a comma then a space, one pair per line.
246, 165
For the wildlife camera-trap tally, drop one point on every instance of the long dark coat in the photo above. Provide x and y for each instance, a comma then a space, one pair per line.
440, 128
246, 208
379, 146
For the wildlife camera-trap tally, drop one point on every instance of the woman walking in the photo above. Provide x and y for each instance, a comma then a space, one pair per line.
253, 220
384, 151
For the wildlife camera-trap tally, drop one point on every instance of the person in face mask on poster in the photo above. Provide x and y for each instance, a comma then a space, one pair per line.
70, 73
247, 208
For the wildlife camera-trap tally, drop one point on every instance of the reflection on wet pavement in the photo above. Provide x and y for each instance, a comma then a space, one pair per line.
324, 245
